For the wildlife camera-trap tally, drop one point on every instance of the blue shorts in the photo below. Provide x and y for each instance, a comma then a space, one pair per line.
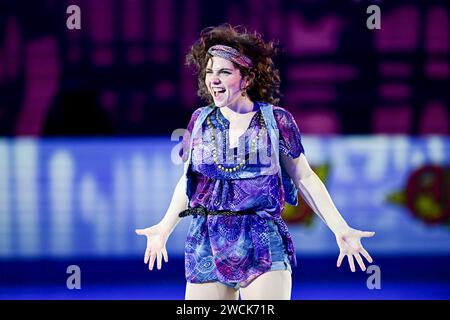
278, 253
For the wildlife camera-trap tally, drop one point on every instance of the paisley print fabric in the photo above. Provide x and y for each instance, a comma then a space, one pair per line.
236, 249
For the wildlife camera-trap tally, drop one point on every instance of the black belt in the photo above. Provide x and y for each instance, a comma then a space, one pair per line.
202, 211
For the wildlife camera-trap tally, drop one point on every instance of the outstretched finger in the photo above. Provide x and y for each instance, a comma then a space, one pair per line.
351, 262
166, 257
140, 232
366, 255
360, 262
367, 234
340, 258
152, 261
159, 260
146, 256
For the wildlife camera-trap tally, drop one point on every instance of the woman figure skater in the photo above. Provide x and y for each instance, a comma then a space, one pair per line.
243, 159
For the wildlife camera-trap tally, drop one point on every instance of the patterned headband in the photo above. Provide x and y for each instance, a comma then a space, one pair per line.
231, 54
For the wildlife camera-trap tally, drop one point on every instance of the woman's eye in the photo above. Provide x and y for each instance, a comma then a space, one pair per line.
220, 72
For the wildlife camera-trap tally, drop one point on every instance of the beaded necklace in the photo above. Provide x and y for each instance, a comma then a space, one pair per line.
241, 162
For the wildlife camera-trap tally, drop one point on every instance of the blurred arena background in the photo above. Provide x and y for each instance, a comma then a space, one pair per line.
87, 151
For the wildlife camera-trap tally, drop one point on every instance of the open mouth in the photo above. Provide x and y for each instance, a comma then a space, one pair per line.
217, 92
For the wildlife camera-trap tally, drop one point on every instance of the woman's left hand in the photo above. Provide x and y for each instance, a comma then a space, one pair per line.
349, 242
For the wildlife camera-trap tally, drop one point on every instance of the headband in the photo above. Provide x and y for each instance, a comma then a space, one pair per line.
231, 54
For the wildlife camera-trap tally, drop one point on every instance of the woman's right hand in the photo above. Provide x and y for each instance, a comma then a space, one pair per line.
156, 245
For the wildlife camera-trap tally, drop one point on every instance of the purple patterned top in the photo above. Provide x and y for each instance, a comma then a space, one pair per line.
239, 243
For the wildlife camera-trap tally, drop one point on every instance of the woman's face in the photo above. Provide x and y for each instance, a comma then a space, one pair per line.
224, 82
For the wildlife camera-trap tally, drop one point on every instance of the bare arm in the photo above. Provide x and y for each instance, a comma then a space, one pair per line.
158, 234
314, 191
178, 203
316, 195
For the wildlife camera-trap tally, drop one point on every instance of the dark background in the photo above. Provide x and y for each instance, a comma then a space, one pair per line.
123, 73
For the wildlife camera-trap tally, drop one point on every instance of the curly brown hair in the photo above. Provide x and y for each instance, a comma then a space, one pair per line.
266, 84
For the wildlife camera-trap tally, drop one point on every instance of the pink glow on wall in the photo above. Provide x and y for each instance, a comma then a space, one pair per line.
133, 31
103, 56
109, 101
101, 30
394, 91
160, 54
133, 20
321, 121
191, 27
435, 119
164, 19
135, 55
256, 14
437, 39
392, 120
164, 90
309, 93
322, 71
395, 69
162, 30
42, 65
400, 30
100, 20
305, 39
437, 69
275, 19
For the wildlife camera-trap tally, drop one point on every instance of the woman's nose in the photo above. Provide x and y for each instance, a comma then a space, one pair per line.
215, 79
